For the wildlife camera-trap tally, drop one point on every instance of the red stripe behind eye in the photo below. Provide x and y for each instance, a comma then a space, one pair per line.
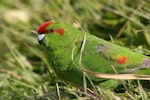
60, 31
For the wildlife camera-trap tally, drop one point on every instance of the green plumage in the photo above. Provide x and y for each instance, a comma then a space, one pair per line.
98, 55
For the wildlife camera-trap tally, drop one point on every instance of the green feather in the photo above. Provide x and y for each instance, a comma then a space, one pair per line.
98, 55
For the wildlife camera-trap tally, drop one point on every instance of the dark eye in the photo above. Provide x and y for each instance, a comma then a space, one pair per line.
51, 31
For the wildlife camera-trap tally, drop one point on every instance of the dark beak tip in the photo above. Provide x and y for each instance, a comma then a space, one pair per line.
40, 42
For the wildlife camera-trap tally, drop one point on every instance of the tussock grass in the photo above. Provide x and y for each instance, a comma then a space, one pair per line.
25, 74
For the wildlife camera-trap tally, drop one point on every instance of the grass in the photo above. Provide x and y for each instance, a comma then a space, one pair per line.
23, 69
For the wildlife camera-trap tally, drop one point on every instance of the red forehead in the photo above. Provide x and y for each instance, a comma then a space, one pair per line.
42, 28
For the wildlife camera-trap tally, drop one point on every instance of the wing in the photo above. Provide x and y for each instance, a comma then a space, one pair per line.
101, 56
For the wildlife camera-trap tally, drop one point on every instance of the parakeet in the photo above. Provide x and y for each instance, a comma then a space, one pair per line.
68, 50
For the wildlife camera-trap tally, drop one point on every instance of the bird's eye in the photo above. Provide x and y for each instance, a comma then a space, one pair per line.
51, 31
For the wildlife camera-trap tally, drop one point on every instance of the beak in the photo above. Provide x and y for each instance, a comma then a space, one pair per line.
40, 38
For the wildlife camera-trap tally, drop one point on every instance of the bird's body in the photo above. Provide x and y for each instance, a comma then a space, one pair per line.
64, 45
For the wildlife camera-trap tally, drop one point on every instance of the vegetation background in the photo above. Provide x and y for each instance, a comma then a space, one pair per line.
23, 73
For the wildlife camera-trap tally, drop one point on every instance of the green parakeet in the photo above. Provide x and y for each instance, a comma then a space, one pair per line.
64, 44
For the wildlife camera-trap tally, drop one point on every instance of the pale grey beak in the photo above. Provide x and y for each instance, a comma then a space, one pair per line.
40, 38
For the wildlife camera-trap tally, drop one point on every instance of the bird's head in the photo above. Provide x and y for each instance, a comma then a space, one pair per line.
49, 27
